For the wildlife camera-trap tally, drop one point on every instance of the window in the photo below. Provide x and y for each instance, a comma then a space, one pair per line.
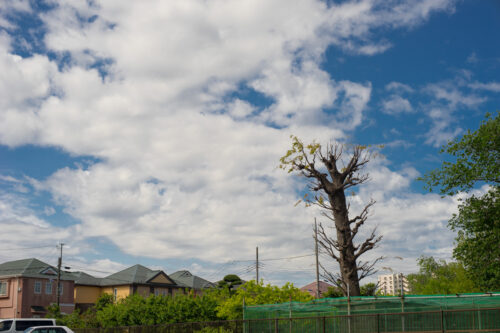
4, 288
60, 289
38, 287
115, 294
48, 288
21, 325
49, 330
5, 325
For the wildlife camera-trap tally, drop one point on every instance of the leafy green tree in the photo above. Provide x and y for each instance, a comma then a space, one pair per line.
333, 292
331, 171
53, 311
439, 277
103, 301
478, 240
256, 293
369, 289
230, 281
137, 310
476, 161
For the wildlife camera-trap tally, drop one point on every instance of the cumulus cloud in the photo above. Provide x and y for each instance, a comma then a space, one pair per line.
396, 104
491, 86
399, 87
447, 99
22, 223
187, 167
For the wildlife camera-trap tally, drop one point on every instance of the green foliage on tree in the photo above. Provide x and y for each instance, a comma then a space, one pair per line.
477, 161
478, 240
258, 293
230, 281
137, 310
440, 277
369, 289
214, 304
333, 292
53, 311
103, 301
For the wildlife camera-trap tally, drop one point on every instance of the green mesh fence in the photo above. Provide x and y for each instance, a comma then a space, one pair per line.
372, 305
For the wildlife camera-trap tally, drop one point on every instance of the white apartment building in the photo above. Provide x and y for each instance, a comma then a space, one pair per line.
390, 284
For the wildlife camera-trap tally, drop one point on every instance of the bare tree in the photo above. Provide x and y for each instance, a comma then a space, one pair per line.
329, 176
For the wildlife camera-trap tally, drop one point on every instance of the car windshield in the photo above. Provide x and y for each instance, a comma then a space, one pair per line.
5, 325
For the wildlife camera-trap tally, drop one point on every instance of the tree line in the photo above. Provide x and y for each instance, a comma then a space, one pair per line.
222, 303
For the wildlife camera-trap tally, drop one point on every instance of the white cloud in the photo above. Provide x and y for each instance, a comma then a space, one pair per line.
455, 98
28, 234
396, 105
448, 97
186, 168
472, 58
398, 87
491, 86
399, 143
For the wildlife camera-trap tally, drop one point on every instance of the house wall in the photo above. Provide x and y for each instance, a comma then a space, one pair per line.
121, 291
9, 302
29, 298
143, 290
87, 294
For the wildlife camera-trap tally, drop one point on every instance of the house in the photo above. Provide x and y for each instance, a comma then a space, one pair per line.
29, 286
312, 287
136, 279
192, 282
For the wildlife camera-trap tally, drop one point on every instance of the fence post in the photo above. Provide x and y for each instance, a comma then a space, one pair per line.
479, 326
324, 324
378, 323
275, 325
442, 321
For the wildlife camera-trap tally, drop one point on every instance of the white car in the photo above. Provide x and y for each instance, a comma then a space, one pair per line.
48, 329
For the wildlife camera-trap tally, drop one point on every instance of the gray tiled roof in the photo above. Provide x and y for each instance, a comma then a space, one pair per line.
186, 279
82, 278
31, 268
136, 274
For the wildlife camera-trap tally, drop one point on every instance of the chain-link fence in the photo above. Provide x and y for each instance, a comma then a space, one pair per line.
462, 320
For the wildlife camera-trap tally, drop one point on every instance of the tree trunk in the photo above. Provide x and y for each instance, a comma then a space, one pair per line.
347, 259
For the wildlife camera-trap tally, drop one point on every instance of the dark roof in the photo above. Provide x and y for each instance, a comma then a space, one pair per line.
83, 278
186, 279
136, 274
31, 268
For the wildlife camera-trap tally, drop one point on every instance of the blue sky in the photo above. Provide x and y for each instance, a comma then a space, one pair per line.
151, 132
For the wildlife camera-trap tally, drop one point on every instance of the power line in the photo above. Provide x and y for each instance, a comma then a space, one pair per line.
275, 259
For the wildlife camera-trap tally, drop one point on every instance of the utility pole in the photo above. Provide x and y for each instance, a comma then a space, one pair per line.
317, 259
257, 265
59, 263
